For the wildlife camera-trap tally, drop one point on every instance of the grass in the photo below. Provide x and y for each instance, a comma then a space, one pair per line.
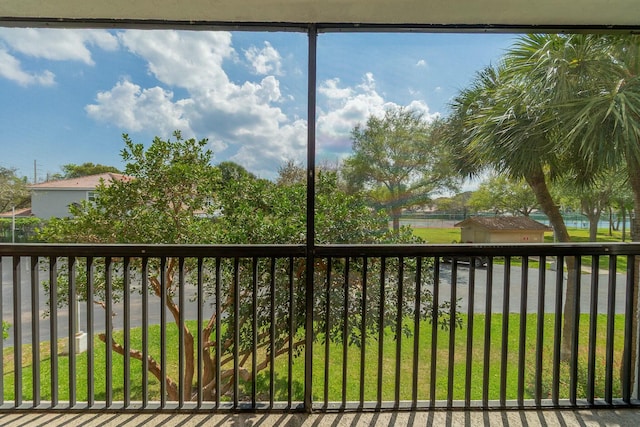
352, 383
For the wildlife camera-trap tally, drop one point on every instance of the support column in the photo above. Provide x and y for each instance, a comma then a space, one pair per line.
311, 235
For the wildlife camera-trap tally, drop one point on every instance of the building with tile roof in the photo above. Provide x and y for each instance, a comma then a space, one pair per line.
502, 229
52, 199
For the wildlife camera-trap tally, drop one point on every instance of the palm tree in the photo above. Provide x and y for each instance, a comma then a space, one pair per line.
499, 123
602, 120
568, 103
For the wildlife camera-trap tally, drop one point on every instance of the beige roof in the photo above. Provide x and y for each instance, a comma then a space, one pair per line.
19, 213
89, 182
504, 223
400, 12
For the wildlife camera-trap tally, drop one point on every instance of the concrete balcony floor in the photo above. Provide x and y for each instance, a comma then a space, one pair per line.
529, 418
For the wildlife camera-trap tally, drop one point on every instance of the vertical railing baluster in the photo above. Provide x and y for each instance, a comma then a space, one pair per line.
399, 315
611, 310
292, 331
73, 316
181, 334
1, 341
542, 285
631, 296
363, 328
524, 293
199, 326
53, 327
218, 367
236, 331
90, 332
17, 331
452, 330
272, 332
593, 322
254, 329
127, 332
108, 271
470, 315
434, 332
163, 331
327, 332
145, 332
35, 330
505, 329
416, 332
557, 334
345, 331
487, 335
573, 377
383, 273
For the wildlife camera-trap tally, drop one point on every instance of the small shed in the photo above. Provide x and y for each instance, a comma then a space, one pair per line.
502, 229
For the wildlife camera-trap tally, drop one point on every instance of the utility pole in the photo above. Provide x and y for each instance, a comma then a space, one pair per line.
35, 172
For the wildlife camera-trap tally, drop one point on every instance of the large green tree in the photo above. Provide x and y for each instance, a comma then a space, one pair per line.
500, 194
398, 161
591, 199
13, 190
72, 170
175, 196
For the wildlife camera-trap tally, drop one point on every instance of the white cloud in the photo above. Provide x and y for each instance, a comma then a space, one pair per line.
264, 61
134, 108
57, 44
191, 60
11, 69
421, 63
348, 107
330, 89
243, 120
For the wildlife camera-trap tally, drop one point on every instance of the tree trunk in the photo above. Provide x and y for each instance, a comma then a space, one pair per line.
634, 182
538, 184
610, 221
396, 211
593, 212
593, 227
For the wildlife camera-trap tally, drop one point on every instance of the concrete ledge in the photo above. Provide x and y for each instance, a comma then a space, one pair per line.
530, 418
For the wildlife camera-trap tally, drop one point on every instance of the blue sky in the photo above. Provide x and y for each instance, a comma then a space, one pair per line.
69, 95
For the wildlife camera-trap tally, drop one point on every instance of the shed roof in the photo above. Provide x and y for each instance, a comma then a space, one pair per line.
89, 182
504, 223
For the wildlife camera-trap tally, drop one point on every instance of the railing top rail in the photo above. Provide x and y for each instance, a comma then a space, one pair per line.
471, 249
146, 250
143, 250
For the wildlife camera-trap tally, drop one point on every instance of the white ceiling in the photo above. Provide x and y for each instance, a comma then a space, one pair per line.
568, 13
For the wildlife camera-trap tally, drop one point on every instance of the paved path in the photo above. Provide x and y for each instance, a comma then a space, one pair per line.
515, 289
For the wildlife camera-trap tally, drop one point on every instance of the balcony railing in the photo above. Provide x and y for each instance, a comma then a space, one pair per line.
347, 327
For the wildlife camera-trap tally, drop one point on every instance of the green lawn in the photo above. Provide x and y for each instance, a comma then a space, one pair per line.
353, 365
450, 235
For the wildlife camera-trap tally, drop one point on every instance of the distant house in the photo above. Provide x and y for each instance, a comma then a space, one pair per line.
52, 198
502, 229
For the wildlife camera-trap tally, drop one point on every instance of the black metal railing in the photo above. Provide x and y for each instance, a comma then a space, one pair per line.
393, 327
